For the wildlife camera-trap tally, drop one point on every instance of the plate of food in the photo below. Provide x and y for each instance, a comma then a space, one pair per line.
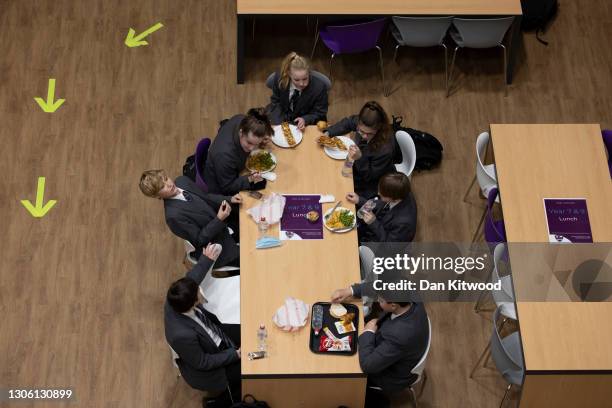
261, 161
286, 135
342, 220
336, 147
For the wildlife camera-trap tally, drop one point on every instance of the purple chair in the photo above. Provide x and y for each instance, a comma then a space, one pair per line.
607, 139
494, 231
353, 39
200, 159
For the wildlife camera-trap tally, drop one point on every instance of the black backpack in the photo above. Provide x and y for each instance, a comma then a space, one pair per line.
537, 14
189, 168
249, 401
428, 148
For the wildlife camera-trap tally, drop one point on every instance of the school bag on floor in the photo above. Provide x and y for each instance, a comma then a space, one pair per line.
428, 148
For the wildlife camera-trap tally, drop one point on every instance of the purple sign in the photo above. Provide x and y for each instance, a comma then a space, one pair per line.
294, 224
568, 220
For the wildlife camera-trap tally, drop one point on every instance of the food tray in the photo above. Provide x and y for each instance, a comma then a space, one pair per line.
328, 320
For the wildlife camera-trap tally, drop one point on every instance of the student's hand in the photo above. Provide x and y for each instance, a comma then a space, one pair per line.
224, 211
300, 123
212, 251
255, 177
368, 217
236, 199
352, 198
372, 325
354, 153
340, 295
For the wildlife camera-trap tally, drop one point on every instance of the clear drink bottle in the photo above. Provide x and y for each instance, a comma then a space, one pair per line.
262, 335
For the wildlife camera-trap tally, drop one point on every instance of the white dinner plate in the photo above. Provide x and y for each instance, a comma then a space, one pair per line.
256, 151
279, 138
347, 229
336, 153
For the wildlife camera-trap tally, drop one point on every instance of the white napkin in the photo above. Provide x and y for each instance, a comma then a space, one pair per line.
327, 198
271, 207
292, 315
270, 176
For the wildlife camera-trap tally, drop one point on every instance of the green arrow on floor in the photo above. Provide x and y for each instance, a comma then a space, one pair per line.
49, 105
39, 210
133, 40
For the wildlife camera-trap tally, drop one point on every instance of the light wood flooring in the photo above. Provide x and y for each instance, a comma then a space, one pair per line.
82, 289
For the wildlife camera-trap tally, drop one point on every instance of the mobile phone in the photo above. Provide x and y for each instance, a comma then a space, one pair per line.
255, 194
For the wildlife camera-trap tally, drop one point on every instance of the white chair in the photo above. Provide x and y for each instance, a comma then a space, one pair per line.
485, 175
366, 256
316, 74
419, 369
480, 33
406, 144
189, 248
504, 299
174, 358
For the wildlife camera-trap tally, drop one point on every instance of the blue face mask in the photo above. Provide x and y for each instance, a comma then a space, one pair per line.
267, 242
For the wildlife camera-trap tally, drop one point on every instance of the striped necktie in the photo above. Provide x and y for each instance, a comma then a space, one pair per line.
225, 340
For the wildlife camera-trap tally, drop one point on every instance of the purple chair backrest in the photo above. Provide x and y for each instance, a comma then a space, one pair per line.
607, 139
494, 231
200, 159
356, 37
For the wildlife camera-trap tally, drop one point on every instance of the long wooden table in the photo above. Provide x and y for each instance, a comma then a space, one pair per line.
249, 8
567, 346
291, 375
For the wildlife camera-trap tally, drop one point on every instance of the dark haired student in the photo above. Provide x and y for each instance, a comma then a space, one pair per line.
208, 351
374, 154
390, 345
394, 218
297, 96
228, 154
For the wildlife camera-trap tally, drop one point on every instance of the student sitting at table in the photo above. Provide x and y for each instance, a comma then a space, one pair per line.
297, 96
375, 147
390, 345
394, 216
208, 351
191, 214
228, 153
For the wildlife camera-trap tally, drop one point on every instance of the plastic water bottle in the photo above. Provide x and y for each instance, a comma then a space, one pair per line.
317, 319
262, 335
263, 225
347, 169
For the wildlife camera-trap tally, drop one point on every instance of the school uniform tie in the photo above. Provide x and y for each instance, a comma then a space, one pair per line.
226, 342
383, 211
187, 195
293, 100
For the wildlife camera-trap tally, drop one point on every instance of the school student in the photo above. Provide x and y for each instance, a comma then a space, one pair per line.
394, 216
297, 96
375, 148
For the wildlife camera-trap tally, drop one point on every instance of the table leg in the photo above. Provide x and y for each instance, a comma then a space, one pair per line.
240, 20
515, 41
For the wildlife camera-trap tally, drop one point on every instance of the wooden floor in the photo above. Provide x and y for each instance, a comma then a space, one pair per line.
82, 289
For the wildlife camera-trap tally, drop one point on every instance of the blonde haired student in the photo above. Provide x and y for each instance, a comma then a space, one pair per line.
297, 96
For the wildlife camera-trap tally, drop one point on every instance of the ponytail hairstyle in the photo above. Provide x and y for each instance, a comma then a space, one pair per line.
291, 61
374, 116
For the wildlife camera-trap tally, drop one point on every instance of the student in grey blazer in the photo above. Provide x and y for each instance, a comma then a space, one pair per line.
375, 150
394, 217
392, 344
208, 351
191, 214
297, 96
228, 153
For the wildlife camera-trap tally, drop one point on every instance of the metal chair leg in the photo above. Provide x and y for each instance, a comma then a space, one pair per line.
484, 353
469, 188
330, 65
445, 67
314, 46
450, 74
253, 33
395, 53
423, 383
414, 398
382, 70
501, 404
484, 213
505, 69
